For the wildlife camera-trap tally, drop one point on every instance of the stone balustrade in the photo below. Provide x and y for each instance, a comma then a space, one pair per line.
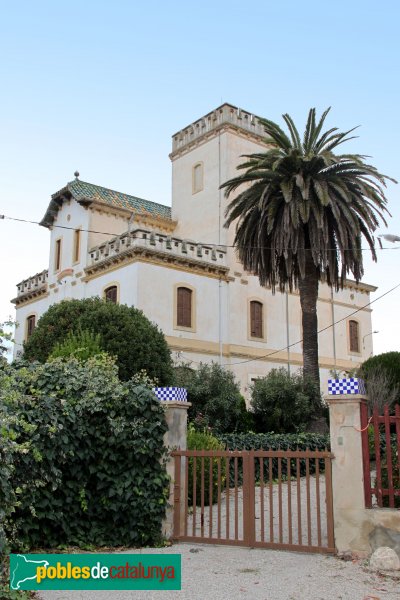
160, 242
224, 114
33, 283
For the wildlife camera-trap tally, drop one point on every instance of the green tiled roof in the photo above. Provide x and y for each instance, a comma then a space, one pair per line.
84, 192
88, 191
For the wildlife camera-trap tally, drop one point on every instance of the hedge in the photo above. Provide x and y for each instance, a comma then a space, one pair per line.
88, 456
275, 441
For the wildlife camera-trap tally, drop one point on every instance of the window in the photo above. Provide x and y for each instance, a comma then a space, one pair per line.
354, 336
256, 319
57, 259
30, 325
111, 294
184, 307
77, 245
197, 178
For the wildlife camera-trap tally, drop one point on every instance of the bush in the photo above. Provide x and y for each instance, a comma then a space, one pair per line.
285, 403
89, 464
382, 377
215, 396
125, 333
197, 440
81, 344
277, 441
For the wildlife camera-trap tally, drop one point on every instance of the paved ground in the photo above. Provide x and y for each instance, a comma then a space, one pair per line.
232, 573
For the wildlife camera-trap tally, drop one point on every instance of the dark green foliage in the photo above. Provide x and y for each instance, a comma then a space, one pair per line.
284, 403
198, 440
80, 344
387, 366
125, 333
301, 212
215, 396
87, 468
276, 441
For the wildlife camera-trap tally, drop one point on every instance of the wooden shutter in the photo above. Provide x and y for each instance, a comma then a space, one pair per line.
31, 322
111, 294
256, 319
354, 336
58, 255
184, 307
77, 244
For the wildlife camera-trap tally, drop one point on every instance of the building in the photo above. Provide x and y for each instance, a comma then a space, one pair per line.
177, 264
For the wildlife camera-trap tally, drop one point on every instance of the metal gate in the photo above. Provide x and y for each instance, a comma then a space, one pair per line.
272, 499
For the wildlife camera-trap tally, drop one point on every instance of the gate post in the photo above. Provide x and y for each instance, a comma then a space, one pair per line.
175, 439
347, 470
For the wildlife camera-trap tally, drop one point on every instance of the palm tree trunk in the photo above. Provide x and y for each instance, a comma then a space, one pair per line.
308, 288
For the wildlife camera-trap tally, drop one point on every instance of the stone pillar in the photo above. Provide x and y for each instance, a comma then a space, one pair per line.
174, 439
347, 472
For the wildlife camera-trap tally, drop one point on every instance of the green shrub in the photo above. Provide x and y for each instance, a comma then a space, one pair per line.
89, 469
125, 333
276, 441
285, 403
197, 440
382, 378
81, 344
215, 396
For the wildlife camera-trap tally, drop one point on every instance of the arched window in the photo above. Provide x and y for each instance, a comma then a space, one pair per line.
111, 294
354, 336
256, 319
30, 325
184, 307
197, 178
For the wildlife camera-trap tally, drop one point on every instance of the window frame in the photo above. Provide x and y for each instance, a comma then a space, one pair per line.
28, 320
189, 287
109, 286
250, 335
76, 249
349, 336
58, 255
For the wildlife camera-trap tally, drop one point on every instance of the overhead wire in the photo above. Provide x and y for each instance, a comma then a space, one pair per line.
216, 244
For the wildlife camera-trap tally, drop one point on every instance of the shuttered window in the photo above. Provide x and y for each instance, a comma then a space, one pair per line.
354, 336
110, 294
184, 307
77, 245
30, 325
256, 319
57, 259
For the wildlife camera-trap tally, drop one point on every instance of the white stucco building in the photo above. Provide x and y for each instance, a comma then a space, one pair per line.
178, 266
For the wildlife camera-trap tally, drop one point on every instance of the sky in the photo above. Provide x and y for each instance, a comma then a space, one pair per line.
100, 87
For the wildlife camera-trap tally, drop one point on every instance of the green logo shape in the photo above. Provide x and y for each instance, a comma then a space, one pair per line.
95, 571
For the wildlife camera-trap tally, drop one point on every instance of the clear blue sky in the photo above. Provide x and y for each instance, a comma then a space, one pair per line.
101, 87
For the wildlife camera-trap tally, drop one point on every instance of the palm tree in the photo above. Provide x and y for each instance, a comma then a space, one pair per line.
302, 212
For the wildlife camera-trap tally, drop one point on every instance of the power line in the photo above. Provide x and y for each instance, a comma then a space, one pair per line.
242, 362
188, 241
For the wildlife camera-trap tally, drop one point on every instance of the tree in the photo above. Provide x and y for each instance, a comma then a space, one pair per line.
5, 336
302, 212
285, 403
382, 377
125, 333
215, 396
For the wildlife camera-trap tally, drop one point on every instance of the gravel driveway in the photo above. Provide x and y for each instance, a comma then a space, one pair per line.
233, 573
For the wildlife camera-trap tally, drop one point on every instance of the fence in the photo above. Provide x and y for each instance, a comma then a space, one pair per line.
385, 441
274, 499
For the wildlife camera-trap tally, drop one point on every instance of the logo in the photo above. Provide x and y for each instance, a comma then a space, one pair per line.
95, 572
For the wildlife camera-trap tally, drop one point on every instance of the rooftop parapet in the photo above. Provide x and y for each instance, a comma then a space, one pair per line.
227, 114
160, 243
